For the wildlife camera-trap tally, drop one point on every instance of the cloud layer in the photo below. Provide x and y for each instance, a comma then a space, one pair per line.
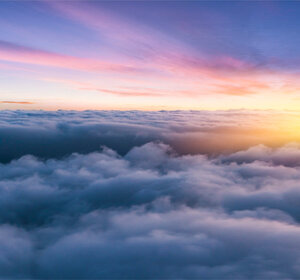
127, 195
151, 214
58, 134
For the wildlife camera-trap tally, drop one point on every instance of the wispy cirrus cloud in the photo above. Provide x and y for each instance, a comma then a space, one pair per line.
194, 50
174, 60
137, 40
167, 63
16, 53
124, 92
158, 48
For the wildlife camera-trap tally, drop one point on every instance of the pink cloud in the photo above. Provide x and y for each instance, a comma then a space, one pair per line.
21, 54
137, 40
169, 59
124, 92
17, 102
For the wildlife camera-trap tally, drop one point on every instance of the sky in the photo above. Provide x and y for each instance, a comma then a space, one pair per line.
149, 139
149, 55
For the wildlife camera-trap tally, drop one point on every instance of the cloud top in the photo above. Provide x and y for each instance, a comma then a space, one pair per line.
150, 214
61, 133
148, 209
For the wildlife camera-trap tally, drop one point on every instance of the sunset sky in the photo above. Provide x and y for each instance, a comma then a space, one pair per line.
150, 139
149, 55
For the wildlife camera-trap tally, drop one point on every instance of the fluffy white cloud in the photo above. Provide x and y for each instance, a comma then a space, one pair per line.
152, 213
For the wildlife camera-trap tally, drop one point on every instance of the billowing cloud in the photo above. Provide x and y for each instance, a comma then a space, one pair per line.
150, 214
